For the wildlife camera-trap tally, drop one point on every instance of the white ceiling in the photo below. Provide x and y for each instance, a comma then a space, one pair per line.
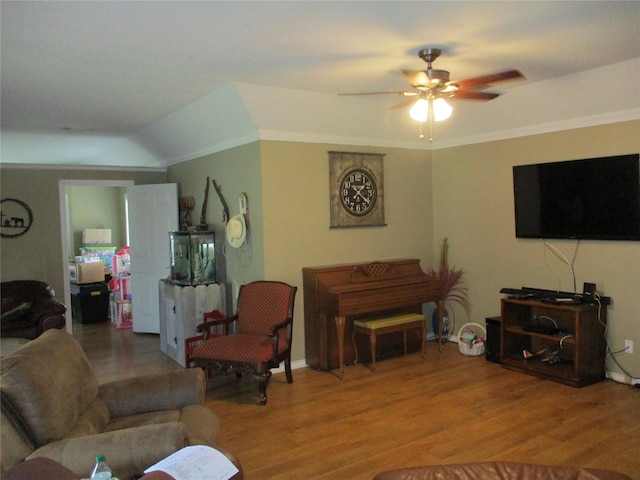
149, 83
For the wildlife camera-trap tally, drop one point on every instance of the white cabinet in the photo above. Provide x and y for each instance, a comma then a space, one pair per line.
181, 309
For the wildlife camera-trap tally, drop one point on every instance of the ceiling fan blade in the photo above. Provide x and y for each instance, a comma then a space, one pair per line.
417, 77
400, 92
473, 95
489, 79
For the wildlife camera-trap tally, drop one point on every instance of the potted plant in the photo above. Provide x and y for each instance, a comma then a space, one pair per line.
453, 290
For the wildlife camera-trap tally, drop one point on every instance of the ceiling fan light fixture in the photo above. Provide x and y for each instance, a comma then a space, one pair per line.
441, 109
420, 110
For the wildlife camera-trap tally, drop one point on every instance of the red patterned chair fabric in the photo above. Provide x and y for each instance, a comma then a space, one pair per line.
264, 324
213, 330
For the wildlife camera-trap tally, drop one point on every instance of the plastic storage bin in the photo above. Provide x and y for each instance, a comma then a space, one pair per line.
90, 302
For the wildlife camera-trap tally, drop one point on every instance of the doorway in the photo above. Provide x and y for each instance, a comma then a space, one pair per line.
71, 240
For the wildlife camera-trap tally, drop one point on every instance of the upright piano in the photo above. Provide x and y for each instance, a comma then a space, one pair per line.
335, 295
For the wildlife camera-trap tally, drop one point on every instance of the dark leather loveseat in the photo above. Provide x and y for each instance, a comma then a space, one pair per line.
29, 308
499, 471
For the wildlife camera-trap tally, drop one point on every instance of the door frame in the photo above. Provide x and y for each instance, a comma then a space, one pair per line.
64, 231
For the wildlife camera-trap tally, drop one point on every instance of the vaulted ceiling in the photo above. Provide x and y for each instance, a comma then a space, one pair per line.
152, 83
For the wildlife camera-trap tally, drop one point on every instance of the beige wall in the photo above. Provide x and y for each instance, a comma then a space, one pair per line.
473, 207
287, 185
236, 171
296, 215
38, 253
84, 202
463, 193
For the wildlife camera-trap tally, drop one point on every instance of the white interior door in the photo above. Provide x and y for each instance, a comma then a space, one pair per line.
153, 213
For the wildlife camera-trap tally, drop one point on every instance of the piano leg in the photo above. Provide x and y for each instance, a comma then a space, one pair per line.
340, 321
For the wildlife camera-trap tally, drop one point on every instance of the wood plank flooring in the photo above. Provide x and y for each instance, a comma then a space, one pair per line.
446, 409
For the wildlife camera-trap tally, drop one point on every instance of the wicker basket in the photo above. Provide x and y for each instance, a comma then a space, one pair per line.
471, 339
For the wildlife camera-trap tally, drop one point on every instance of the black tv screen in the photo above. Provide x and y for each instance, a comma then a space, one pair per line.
594, 198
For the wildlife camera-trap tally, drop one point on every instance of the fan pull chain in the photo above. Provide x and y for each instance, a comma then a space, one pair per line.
421, 135
430, 129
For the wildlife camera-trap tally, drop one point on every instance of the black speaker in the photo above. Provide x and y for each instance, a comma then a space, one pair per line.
588, 292
492, 345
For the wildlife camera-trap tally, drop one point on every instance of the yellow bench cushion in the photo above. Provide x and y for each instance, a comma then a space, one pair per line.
389, 321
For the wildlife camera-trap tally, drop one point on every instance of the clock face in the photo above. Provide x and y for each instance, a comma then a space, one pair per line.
358, 192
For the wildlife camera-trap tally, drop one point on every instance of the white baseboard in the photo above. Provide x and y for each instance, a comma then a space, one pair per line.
303, 363
618, 377
294, 365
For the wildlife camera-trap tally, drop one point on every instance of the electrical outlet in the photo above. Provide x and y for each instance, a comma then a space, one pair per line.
628, 346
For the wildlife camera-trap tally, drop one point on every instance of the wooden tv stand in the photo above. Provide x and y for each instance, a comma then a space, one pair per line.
581, 356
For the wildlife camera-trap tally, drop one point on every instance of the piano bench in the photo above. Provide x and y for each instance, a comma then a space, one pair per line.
381, 326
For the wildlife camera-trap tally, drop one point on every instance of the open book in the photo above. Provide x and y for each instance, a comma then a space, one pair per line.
196, 462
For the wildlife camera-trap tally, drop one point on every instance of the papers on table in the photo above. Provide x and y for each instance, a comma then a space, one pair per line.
196, 462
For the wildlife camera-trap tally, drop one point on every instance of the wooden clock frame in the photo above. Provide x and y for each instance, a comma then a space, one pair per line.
341, 164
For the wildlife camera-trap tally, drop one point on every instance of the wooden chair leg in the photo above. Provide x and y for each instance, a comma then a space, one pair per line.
263, 382
287, 369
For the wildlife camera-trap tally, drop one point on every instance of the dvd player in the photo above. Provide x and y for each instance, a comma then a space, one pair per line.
542, 294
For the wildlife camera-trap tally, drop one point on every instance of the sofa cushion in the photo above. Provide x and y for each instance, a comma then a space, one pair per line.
140, 420
50, 383
203, 428
129, 452
14, 435
93, 420
16, 292
15, 313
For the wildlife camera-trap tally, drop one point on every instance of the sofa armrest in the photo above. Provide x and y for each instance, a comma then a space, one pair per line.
129, 452
165, 391
31, 318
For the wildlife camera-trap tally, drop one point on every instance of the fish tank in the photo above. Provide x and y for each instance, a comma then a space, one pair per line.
193, 257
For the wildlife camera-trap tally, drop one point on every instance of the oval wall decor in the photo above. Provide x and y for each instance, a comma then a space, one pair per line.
16, 217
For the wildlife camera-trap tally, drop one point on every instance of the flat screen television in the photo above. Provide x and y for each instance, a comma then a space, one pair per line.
593, 198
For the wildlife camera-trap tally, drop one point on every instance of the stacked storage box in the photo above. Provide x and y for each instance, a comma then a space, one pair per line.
89, 291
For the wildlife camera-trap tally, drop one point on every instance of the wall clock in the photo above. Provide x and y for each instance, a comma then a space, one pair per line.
16, 217
356, 188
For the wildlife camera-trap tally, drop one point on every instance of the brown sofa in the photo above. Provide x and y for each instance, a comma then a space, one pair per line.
28, 309
52, 406
499, 471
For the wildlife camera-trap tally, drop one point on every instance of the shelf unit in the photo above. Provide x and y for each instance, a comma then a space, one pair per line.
181, 310
580, 345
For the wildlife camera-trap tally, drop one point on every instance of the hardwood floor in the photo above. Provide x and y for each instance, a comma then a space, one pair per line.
446, 409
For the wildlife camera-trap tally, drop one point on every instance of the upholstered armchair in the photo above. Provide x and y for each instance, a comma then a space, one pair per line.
53, 406
262, 339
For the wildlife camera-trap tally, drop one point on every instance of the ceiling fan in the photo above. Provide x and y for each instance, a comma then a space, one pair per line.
432, 86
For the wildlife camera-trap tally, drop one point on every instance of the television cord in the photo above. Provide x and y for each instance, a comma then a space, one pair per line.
562, 257
610, 353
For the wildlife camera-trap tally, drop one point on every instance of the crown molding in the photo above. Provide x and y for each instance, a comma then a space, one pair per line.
307, 137
570, 124
219, 147
320, 138
76, 167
